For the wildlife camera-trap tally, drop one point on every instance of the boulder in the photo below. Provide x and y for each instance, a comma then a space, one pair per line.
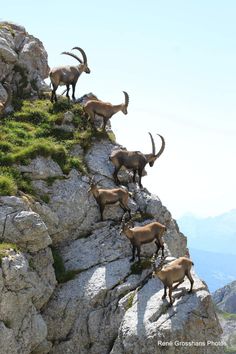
23, 61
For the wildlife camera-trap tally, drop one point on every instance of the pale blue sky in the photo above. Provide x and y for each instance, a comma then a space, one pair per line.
177, 61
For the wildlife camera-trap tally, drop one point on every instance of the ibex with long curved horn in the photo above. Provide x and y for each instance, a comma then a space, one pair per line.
135, 160
3, 105
68, 75
105, 109
174, 272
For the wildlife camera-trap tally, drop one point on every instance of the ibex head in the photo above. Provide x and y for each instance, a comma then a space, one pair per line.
159, 267
92, 184
125, 105
84, 64
124, 226
153, 156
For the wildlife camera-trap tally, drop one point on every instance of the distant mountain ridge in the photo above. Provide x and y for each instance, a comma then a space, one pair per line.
216, 269
213, 234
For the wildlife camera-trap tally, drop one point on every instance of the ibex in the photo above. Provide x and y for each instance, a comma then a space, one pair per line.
135, 160
104, 109
109, 196
140, 235
174, 272
3, 105
68, 75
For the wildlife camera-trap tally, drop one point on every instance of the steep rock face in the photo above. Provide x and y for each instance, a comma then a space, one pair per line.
109, 306
106, 305
149, 322
27, 278
225, 302
101, 308
23, 61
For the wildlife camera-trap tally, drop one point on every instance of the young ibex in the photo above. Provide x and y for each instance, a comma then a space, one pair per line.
135, 160
140, 235
68, 75
104, 109
174, 272
110, 196
3, 105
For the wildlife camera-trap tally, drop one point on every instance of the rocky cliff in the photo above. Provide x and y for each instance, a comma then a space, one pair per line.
66, 283
23, 62
225, 302
225, 298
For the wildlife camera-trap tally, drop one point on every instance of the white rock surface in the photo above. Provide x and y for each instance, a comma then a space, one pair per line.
41, 168
23, 61
150, 321
21, 297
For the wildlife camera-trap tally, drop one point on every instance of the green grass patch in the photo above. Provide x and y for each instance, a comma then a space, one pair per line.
231, 350
228, 316
7, 185
76, 163
62, 275
34, 130
130, 300
21, 182
87, 137
4, 247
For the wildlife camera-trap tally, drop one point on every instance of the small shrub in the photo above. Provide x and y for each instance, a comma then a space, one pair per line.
7, 185
137, 268
130, 300
61, 105
62, 275
111, 137
45, 198
77, 163
4, 247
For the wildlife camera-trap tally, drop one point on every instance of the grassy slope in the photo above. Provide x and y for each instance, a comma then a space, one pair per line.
34, 130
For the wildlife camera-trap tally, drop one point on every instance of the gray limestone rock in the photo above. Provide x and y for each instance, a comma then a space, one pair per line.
23, 61
41, 168
20, 321
27, 229
150, 322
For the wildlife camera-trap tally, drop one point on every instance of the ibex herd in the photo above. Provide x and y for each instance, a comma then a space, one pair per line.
135, 161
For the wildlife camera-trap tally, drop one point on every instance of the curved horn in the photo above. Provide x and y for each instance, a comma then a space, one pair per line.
122, 223
98, 181
126, 98
160, 265
83, 54
91, 180
162, 146
153, 262
73, 55
153, 144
